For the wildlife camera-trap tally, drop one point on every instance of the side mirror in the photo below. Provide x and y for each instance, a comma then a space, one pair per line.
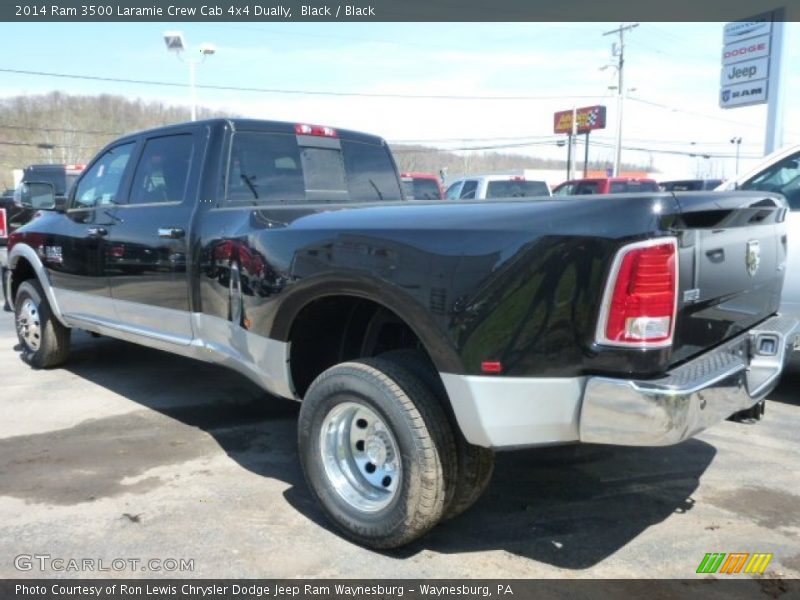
36, 196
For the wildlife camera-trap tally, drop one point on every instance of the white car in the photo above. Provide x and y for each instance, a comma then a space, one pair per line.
482, 187
780, 172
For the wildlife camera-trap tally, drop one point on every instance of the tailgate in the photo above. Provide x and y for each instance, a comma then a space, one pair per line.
732, 265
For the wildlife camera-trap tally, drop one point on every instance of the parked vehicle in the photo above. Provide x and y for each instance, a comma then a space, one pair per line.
419, 336
421, 186
488, 187
780, 172
59, 175
605, 185
689, 185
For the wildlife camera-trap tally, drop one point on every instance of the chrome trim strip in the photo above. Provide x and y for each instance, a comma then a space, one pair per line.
21, 250
515, 411
262, 360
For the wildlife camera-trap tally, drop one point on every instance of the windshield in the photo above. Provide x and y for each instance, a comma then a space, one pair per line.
515, 188
782, 177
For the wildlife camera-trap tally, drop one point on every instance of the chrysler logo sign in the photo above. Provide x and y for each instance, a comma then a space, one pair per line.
753, 257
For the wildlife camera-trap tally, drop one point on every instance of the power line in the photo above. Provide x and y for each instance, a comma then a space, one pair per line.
293, 92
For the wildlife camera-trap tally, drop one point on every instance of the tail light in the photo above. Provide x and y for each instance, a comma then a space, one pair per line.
640, 299
319, 130
3, 224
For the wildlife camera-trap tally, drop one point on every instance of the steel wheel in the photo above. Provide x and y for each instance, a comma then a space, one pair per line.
360, 456
29, 325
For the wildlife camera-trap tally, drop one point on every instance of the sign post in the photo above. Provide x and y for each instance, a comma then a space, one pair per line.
752, 69
576, 121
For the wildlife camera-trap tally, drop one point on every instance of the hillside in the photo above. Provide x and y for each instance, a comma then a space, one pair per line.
64, 128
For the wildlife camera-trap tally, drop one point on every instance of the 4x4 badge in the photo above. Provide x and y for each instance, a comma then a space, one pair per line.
753, 257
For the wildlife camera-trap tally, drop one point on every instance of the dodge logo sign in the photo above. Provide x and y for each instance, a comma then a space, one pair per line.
753, 257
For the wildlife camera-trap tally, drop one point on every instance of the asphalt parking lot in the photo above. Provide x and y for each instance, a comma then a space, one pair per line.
131, 453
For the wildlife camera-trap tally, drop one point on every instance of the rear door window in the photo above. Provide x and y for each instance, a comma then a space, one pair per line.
163, 170
469, 190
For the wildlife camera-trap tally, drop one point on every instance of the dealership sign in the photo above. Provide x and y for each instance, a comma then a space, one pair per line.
586, 119
744, 78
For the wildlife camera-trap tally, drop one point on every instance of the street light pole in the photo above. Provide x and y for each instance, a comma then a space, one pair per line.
619, 52
175, 43
738, 142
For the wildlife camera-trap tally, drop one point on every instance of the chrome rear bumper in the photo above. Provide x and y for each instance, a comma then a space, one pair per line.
692, 397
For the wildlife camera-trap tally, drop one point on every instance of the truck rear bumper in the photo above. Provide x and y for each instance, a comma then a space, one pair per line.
691, 398
505, 412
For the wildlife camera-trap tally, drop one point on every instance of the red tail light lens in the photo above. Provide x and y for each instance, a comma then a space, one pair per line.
318, 130
640, 300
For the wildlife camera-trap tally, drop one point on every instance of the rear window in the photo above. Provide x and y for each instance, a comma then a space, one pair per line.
620, 187
516, 189
273, 168
421, 188
56, 177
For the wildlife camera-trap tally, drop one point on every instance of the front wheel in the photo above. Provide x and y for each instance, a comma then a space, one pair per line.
377, 451
44, 340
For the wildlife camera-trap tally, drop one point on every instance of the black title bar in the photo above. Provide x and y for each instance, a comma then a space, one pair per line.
386, 10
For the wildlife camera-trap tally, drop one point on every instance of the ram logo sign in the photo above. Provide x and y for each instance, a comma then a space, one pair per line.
733, 563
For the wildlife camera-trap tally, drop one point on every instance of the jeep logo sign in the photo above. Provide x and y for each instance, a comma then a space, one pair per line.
749, 70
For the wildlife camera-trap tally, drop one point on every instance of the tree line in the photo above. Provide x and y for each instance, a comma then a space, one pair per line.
66, 128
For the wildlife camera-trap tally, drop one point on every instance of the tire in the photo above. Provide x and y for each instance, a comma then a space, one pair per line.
408, 445
474, 464
44, 341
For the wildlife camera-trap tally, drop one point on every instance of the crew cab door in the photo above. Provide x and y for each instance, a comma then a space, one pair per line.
148, 249
75, 252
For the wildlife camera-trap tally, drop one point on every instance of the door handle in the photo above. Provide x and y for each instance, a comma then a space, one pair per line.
97, 231
172, 233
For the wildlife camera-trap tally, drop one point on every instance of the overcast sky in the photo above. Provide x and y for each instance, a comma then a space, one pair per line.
555, 66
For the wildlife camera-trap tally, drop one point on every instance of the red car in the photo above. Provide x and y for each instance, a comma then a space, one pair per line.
421, 186
605, 185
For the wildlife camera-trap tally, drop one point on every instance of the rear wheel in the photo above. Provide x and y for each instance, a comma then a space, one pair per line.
474, 464
44, 340
377, 451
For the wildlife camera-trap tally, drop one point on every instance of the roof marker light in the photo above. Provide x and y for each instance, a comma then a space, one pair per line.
318, 130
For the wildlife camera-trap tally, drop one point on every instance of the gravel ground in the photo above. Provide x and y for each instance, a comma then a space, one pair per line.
130, 453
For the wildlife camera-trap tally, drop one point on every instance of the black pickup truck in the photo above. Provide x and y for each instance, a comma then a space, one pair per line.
13, 215
420, 336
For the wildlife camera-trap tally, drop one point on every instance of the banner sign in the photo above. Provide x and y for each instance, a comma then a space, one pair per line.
587, 119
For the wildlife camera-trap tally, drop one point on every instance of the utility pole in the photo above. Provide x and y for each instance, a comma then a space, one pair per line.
619, 52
